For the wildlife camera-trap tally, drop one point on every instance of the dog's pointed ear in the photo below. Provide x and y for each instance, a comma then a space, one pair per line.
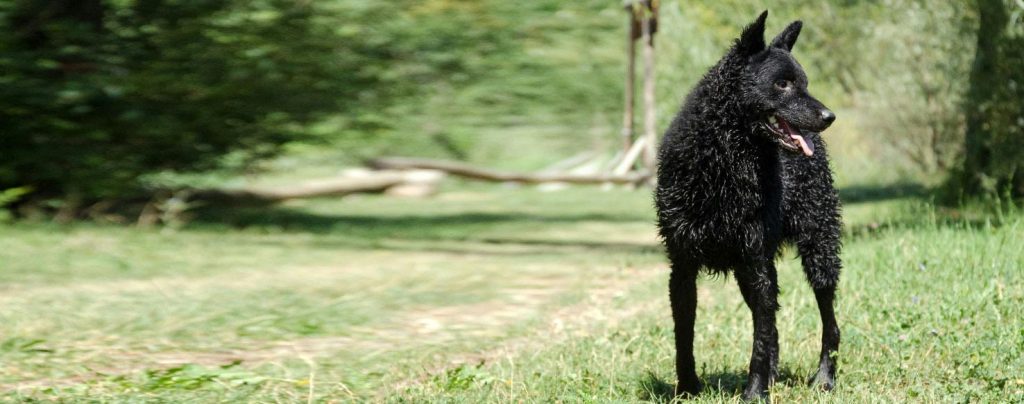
788, 36
752, 39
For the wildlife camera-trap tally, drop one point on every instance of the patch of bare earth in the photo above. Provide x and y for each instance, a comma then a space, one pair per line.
596, 310
520, 303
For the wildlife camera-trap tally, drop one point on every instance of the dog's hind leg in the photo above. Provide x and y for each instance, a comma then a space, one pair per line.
683, 296
760, 289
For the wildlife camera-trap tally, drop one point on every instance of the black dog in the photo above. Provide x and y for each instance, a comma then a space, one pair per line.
742, 170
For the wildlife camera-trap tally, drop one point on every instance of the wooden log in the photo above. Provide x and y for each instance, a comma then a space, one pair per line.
377, 182
629, 159
486, 174
417, 184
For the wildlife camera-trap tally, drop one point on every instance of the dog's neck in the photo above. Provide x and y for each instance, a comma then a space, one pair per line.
742, 130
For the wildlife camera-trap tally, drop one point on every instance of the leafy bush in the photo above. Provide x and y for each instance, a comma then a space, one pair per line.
96, 94
994, 145
481, 80
90, 101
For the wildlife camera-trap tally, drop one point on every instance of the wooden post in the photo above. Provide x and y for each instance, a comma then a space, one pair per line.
632, 34
648, 26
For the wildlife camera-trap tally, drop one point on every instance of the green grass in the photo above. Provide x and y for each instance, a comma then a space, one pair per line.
930, 309
485, 294
358, 294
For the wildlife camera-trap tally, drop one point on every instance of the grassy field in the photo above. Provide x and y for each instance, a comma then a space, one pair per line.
493, 293
485, 294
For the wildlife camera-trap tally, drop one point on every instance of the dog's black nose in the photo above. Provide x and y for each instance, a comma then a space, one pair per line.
827, 116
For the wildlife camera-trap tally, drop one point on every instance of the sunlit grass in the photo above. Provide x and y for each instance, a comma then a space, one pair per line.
485, 294
930, 309
365, 291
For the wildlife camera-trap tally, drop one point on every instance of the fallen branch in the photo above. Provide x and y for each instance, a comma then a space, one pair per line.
376, 182
486, 174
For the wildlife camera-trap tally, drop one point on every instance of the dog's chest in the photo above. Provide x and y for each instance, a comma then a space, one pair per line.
744, 214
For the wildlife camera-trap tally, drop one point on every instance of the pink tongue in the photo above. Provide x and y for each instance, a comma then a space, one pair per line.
807, 148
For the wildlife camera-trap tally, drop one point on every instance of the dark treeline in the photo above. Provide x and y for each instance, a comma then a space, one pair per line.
95, 93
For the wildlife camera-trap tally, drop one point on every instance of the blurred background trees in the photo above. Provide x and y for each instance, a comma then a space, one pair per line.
95, 94
98, 97
994, 105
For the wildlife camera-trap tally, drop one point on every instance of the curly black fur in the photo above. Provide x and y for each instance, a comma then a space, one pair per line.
731, 191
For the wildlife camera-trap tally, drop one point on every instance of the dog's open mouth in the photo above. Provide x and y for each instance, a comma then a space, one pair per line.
787, 136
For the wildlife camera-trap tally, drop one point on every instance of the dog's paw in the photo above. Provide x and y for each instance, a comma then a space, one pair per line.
823, 380
688, 388
756, 395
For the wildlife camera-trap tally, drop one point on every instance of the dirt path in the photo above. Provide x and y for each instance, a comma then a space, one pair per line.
430, 326
595, 311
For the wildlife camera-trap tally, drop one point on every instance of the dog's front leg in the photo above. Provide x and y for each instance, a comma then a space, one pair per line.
820, 255
759, 286
826, 375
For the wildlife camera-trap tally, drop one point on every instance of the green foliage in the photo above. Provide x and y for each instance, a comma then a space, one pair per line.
994, 160
483, 80
914, 94
88, 106
95, 95
162, 86
11, 195
23, 345
462, 377
192, 377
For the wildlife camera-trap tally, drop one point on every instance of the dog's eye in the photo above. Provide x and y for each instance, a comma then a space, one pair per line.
782, 84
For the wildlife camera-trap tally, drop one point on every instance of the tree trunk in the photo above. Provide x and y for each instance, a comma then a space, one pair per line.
648, 27
993, 148
632, 32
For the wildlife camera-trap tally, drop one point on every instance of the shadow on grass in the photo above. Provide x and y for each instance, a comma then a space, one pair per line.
940, 218
654, 388
717, 384
874, 193
923, 215
472, 246
383, 231
279, 218
296, 219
